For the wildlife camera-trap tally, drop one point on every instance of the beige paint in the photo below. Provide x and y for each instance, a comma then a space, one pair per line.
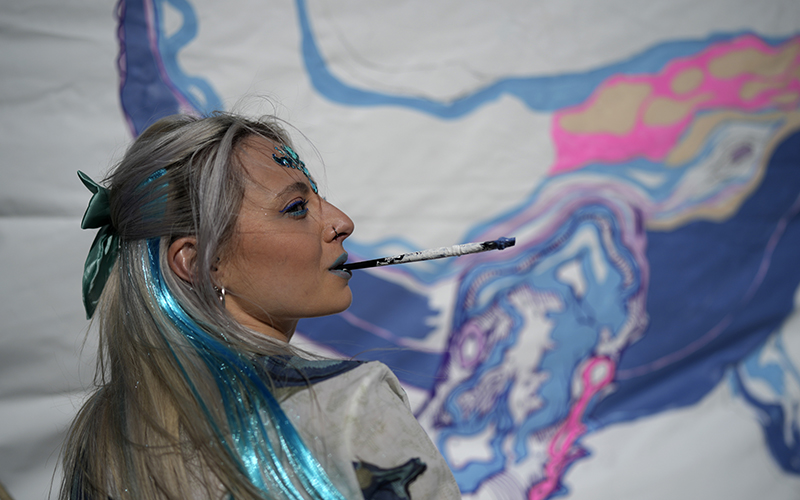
785, 98
751, 89
696, 136
726, 208
752, 61
665, 111
614, 111
687, 80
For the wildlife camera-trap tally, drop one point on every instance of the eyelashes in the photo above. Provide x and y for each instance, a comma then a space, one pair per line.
297, 208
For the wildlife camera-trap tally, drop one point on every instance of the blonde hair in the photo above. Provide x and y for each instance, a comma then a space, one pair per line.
177, 391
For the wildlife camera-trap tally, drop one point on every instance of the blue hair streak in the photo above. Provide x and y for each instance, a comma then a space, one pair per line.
245, 397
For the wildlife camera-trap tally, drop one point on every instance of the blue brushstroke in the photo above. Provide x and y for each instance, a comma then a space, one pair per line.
144, 96
575, 331
787, 364
146, 93
538, 93
699, 275
771, 374
773, 422
771, 408
194, 89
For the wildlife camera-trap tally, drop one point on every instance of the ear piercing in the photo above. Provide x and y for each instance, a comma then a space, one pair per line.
221, 293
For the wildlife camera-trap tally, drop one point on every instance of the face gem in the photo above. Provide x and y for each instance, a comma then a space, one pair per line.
291, 160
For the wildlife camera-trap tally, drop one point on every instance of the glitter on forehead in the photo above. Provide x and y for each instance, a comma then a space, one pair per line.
291, 160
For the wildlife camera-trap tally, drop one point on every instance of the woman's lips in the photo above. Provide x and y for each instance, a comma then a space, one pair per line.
344, 273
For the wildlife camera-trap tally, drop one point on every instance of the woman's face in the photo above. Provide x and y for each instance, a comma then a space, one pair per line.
287, 238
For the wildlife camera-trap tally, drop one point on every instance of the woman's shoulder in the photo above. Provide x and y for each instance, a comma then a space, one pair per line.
360, 419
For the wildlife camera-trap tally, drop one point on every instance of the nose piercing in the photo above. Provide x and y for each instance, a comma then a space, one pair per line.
336, 233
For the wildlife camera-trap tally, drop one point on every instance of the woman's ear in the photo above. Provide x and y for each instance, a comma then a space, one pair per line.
182, 257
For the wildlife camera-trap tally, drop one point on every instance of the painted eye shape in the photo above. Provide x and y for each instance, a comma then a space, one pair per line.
297, 208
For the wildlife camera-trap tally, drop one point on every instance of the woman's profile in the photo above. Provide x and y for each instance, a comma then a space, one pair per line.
213, 242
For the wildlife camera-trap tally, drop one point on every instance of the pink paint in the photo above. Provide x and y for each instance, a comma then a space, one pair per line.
561, 450
654, 142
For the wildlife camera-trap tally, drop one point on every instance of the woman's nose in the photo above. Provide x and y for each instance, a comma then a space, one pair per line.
341, 226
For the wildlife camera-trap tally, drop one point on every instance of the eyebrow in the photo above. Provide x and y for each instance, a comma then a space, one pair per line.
297, 187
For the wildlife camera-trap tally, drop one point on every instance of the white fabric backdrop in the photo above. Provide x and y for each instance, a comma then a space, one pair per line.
397, 171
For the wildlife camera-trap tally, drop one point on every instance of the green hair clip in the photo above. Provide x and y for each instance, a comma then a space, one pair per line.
103, 252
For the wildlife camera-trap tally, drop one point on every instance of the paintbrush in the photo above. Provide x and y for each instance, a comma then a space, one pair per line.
430, 254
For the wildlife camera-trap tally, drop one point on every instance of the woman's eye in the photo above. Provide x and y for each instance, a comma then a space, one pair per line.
297, 208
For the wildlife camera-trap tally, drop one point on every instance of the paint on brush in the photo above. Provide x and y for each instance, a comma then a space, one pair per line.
433, 253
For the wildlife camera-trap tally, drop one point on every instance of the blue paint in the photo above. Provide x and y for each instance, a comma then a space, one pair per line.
392, 308
722, 136
470, 477
699, 275
771, 408
144, 96
787, 362
503, 243
148, 96
773, 421
461, 424
546, 94
770, 373
196, 90
575, 330
147, 93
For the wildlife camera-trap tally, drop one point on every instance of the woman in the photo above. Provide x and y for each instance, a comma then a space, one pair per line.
213, 242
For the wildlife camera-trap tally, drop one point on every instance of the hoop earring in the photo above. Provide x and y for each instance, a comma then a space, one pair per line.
221, 293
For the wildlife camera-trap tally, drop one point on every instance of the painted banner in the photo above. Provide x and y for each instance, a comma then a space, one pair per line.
642, 339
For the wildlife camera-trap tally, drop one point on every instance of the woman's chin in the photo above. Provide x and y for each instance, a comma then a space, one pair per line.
339, 306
